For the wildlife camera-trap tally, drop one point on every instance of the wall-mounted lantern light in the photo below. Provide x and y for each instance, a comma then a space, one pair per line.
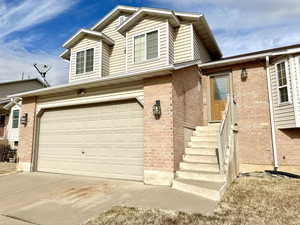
24, 119
244, 74
156, 109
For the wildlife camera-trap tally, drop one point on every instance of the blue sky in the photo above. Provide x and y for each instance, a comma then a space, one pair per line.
34, 30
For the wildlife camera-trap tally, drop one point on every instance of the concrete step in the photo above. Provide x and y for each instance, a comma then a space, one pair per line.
200, 158
212, 134
202, 144
200, 175
200, 151
214, 124
210, 190
207, 128
210, 167
204, 138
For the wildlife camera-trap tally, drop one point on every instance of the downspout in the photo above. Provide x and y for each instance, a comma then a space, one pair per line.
274, 146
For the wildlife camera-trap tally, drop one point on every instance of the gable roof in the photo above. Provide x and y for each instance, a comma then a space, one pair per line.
79, 35
113, 14
137, 16
198, 21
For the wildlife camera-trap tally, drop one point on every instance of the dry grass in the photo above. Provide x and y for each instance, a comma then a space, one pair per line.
249, 201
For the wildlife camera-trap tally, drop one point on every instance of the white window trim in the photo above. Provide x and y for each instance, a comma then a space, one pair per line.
84, 66
287, 83
145, 58
295, 72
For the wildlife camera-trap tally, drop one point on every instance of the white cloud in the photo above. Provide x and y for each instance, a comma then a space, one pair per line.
245, 25
14, 58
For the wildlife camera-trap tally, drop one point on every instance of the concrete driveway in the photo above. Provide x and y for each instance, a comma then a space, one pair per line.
52, 199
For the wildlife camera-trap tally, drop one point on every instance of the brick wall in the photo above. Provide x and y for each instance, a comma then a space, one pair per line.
187, 107
253, 118
158, 134
26, 134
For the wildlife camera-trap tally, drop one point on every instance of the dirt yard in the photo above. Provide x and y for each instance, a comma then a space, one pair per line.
264, 200
6, 168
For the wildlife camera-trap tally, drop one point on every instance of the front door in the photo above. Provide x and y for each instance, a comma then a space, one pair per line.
219, 89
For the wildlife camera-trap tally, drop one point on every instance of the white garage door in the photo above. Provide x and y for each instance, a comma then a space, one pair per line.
104, 140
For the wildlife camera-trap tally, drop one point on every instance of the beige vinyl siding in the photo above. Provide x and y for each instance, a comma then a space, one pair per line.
284, 115
148, 24
117, 55
200, 51
104, 140
171, 44
106, 51
183, 43
85, 44
18, 87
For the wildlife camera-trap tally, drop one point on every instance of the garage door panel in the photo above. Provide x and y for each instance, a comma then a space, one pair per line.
110, 135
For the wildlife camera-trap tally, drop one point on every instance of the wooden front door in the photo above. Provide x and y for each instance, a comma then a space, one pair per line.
219, 89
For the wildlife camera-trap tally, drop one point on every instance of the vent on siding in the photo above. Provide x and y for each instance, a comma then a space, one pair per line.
122, 19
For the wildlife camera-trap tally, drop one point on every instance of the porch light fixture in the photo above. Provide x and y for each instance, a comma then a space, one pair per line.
24, 119
156, 109
244, 74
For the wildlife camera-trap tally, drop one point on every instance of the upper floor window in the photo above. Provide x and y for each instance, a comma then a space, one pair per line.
15, 118
282, 82
146, 46
85, 61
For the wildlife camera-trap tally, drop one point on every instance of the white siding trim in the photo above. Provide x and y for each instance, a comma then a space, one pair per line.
106, 97
126, 51
192, 42
168, 42
295, 71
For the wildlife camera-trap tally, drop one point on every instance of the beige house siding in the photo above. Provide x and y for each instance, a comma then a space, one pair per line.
183, 43
284, 114
17, 87
85, 44
117, 55
106, 51
148, 24
200, 51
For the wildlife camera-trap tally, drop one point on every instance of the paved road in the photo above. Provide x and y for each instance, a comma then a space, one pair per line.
52, 199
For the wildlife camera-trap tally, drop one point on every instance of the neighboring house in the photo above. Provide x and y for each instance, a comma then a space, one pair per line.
10, 108
150, 99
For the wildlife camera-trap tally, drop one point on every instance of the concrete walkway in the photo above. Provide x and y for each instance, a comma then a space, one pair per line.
51, 199
6, 168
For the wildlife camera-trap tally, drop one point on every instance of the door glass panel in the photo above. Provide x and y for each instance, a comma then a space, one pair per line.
221, 88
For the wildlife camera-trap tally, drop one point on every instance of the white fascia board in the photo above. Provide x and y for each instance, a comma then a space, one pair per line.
247, 58
112, 13
65, 54
103, 80
80, 34
135, 17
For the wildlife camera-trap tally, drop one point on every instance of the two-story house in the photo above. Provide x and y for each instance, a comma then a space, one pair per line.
150, 99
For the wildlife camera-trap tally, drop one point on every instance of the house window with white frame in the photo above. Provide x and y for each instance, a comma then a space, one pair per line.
85, 61
146, 46
282, 82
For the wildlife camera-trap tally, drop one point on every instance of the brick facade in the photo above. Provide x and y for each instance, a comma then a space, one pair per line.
254, 124
26, 136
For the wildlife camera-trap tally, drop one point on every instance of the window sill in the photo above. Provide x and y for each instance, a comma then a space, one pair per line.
146, 61
284, 103
84, 74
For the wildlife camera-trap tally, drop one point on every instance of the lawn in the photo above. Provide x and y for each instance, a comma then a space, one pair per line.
264, 200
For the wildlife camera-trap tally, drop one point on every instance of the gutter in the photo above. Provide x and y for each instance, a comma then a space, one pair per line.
274, 145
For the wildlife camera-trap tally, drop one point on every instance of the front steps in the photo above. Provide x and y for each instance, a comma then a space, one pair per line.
199, 171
